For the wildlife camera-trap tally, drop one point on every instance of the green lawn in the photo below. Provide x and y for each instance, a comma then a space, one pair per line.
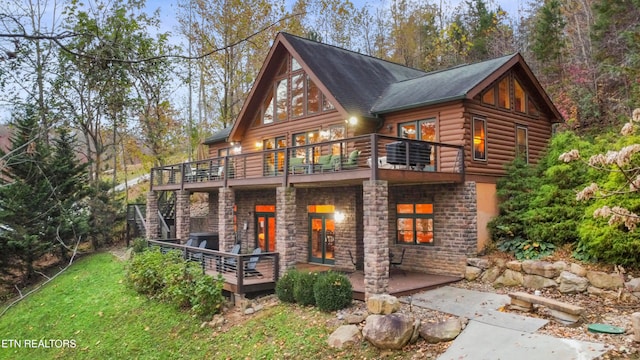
91, 307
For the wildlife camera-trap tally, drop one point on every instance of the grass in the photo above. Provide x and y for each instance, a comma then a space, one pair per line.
91, 306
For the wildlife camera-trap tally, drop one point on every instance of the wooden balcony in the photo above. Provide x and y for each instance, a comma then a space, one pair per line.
242, 273
346, 161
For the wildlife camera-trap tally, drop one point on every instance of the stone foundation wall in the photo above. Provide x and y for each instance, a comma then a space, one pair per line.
567, 278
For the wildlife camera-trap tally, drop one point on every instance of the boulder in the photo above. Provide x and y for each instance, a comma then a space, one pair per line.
543, 268
608, 294
478, 262
392, 331
509, 278
537, 282
491, 274
471, 273
578, 269
356, 318
604, 281
571, 283
382, 304
442, 331
635, 323
345, 335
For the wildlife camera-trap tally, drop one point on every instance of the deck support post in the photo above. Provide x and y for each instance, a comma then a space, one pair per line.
226, 232
286, 229
376, 237
183, 215
152, 221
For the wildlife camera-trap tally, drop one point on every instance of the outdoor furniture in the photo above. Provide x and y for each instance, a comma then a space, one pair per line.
250, 266
199, 256
297, 165
352, 160
396, 263
229, 264
419, 153
325, 163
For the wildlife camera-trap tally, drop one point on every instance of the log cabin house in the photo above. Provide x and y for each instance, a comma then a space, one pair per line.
341, 159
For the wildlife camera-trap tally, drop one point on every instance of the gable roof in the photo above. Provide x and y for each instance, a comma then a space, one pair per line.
217, 137
365, 86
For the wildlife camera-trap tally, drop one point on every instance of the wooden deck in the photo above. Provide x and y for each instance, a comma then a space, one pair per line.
400, 283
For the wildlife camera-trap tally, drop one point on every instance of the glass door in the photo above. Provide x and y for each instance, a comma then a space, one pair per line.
321, 238
266, 228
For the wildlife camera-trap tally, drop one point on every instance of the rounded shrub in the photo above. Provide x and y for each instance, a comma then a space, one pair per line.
285, 285
139, 245
332, 291
303, 288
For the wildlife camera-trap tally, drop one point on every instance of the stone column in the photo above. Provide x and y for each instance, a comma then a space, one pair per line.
152, 222
376, 237
226, 200
183, 215
286, 227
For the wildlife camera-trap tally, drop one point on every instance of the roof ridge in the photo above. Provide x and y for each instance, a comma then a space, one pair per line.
350, 51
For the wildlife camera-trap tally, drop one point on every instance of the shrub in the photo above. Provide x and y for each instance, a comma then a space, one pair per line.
303, 288
527, 249
145, 273
332, 291
139, 245
179, 279
285, 286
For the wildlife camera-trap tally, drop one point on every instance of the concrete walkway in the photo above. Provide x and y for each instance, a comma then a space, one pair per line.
492, 334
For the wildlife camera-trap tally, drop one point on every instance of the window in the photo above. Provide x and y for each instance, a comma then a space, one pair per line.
273, 161
503, 93
297, 95
489, 97
267, 117
307, 138
414, 223
522, 142
479, 139
518, 97
424, 130
314, 97
532, 109
281, 100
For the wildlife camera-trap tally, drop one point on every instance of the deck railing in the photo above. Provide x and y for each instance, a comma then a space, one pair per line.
242, 272
373, 152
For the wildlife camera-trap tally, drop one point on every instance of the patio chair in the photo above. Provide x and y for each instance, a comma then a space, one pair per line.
229, 264
396, 263
352, 160
250, 266
326, 163
199, 256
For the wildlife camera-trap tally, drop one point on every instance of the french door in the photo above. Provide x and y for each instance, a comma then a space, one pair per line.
321, 238
266, 231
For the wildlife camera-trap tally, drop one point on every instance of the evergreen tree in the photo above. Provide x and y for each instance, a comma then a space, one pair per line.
548, 42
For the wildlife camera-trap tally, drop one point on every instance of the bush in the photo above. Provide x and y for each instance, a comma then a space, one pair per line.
303, 288
172, 279
332, 291
285, 286
139, 245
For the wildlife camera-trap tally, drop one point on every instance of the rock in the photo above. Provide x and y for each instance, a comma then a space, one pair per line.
514, 265
578, 269
633, 285
345, 335
571, 283
543, 268
216, 322
258, 307
509, 278
128, 254
447, 330
565, 319
392, 331
491, 274
382, 304
356, 317
592, 290
604, 281
471, 273
478, 262
561, 265
249, 311
537, 282
635, 323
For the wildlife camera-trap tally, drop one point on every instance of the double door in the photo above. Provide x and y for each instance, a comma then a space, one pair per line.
321, 238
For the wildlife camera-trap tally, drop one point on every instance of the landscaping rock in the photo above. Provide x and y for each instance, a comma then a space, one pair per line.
514, 265
609, 294
491, 274
471, 273
635, 323
604, 281
392, 331
216, 322
446, 330
509, 278
633, 285
382, 304
479, 263
578, 269
571, 283
543, 268
537, 282
345, 335
356, 317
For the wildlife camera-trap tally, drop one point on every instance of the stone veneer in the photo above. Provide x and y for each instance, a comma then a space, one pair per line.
286, 227
226, 231
375, 195
152, 222
183, 215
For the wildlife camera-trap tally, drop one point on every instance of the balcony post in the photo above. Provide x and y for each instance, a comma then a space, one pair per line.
153, 222
374, 156
286, 229
226, 231
183, 215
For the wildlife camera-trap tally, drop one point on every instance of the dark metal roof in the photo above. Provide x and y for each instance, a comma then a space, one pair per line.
220, 136
436, 87
355, 80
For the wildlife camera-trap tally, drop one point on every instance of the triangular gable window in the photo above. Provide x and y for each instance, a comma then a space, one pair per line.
296, 96
499, 95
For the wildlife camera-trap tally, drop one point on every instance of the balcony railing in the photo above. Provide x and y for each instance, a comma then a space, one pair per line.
368, 152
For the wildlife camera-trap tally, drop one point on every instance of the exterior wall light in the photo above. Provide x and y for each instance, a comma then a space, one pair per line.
339, 216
